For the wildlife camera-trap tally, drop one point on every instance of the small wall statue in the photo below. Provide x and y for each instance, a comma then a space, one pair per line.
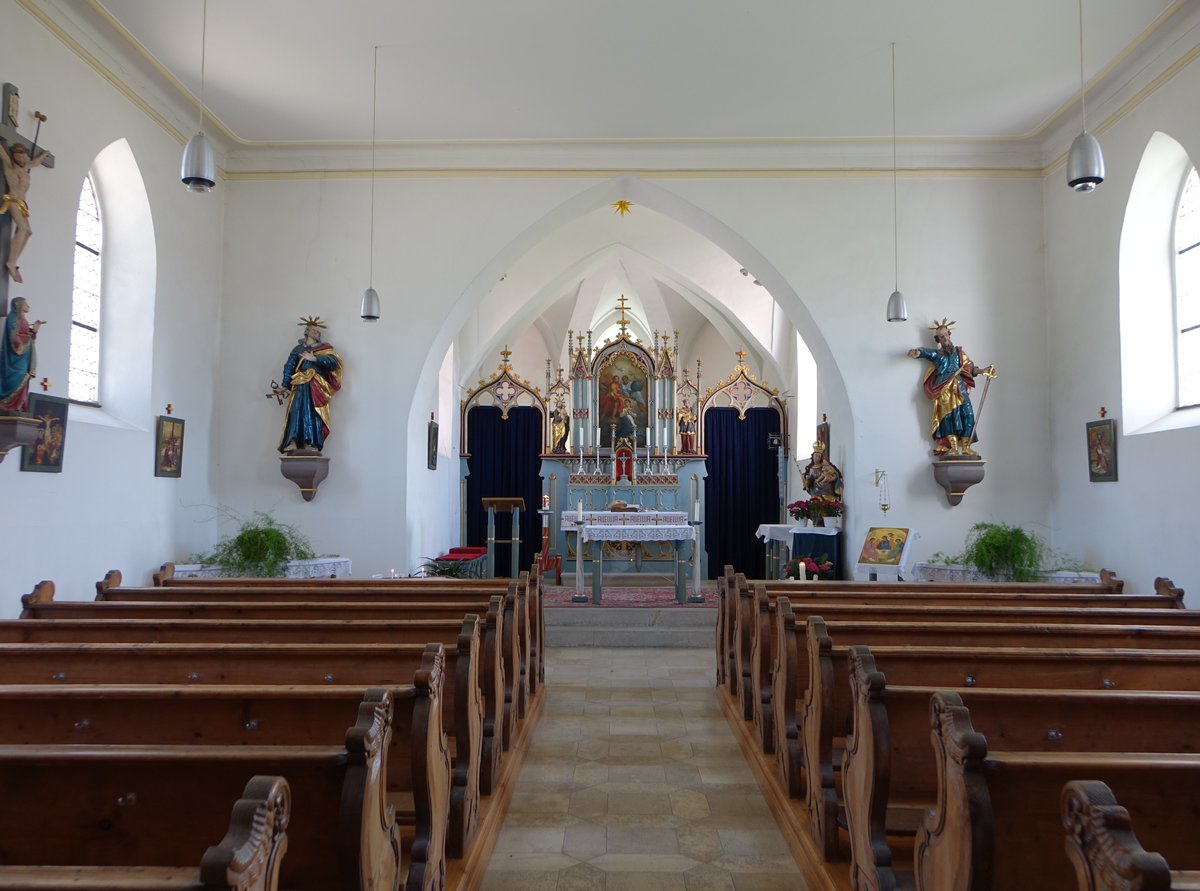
687, 430
18, 357
560, 428
312, 375
947, 385
821, 476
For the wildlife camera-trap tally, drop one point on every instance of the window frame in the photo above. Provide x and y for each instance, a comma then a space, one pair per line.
97, 251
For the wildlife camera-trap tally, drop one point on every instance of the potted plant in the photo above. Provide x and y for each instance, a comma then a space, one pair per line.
261, 547
826, 508
799, 510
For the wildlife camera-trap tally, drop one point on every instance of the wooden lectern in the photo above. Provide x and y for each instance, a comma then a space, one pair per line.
513, 506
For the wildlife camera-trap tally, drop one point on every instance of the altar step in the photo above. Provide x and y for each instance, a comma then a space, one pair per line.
678, 628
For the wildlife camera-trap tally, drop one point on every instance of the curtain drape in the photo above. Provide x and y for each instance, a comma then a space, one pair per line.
504, 463
742, 489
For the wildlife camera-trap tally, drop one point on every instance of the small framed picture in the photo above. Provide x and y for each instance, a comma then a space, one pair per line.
168, 446
46, 453
1102, 450
823, 436
433, 444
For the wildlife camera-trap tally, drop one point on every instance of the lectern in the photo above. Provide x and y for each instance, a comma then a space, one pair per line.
514, 506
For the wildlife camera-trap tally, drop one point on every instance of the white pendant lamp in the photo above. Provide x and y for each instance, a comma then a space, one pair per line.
1085, 161
370, 298
897, 306
198, 169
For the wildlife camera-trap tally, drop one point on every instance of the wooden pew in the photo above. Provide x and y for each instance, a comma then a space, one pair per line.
756, 693
996, 822
525, 617
166, 577
745, 619
266, 664
115, 805
246, 859
826, 713
1106, 853
499, 720
890, 776
462, 698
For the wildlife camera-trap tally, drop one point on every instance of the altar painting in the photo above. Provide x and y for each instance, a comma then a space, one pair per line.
883, 546
622, 401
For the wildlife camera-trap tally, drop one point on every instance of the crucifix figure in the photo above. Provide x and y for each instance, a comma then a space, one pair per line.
18, 157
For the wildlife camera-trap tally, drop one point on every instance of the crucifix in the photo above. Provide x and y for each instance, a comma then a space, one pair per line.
16, 174
624, 325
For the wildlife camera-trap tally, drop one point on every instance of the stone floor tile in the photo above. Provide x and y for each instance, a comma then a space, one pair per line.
689, 804
643, 863
727, 774
582, 877
531, 840
642, 840
539, 802
637, 773
727, 804
519, 880
756, 842
512, 861
678, 774
756, 881
585, 840
642, 881
708, 878
588, 803
591, 773
639, 803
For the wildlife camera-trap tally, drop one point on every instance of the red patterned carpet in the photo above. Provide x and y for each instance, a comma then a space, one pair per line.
657, 597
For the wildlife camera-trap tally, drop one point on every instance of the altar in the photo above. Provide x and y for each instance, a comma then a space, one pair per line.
676, 534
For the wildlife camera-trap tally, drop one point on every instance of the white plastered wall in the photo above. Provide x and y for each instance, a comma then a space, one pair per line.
1143, 525
107, 510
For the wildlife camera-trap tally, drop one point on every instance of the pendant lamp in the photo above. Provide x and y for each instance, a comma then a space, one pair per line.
370, 298
198, 169
1085, 161
897, 306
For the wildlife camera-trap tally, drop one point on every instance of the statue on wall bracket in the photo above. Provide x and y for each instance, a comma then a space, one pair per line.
312, 375
947, 386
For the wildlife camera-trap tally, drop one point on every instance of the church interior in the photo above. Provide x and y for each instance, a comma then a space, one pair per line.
656, 259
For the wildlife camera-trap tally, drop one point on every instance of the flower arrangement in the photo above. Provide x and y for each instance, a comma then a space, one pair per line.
798, 509
816, 507
806, 567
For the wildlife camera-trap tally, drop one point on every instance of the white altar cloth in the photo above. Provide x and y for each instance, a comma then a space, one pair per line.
674, 532
626, 518
781, 532
322, 567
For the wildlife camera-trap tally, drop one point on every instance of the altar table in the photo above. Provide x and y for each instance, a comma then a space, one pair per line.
677, 534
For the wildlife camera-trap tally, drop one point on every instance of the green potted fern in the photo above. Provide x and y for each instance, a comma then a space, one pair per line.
261, 547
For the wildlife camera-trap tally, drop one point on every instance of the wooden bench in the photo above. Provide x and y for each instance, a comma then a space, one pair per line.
120, 805
1106, 853
889, 773
996, 822
463, 697
246, 859
755, 693
826, 682
166, 577
499, 717
525, 617
741, 618
265, 664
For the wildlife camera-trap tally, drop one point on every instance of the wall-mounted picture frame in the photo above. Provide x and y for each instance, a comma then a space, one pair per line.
168, 446
46, 453
823, 437
1102, 450
433, 445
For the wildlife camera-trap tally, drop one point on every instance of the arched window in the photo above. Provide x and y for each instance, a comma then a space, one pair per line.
1187, 292
84, 377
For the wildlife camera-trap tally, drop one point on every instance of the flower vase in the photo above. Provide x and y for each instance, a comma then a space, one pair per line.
818, 522
833, 522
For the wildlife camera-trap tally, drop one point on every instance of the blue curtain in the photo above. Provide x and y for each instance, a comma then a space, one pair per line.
505, 460
742, 489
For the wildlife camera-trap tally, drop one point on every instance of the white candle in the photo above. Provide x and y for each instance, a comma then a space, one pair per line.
633, 470
696, 512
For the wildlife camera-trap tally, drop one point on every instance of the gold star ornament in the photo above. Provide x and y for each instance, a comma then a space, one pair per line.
623, 207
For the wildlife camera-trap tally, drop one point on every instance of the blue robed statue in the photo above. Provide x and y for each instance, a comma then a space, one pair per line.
311, 375
947, 385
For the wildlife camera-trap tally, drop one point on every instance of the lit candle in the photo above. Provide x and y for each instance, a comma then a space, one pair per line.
579, 510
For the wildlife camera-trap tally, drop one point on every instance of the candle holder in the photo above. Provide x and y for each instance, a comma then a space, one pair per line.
696, 596
579, 596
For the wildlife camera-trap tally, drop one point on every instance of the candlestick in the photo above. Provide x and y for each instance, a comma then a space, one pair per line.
696, 512
579, 510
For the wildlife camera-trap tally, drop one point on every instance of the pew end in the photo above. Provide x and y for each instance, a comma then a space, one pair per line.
165, 572
43, 592
1167, 588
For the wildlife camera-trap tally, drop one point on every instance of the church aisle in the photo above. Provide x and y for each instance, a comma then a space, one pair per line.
635, 782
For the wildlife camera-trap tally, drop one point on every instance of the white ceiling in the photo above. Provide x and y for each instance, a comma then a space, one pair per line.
301, 71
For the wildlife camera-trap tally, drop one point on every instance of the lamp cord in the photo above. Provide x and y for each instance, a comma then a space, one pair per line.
203, 52
374, 103
1082, 85
895, 200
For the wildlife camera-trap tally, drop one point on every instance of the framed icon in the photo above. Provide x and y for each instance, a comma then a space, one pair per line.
433, 445
46, 453
168, 446
1102, 450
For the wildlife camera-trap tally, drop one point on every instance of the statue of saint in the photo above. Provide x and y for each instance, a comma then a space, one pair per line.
18, 359
687, 430
17, 166
560, 428
948, 384
821, 476
312, 374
